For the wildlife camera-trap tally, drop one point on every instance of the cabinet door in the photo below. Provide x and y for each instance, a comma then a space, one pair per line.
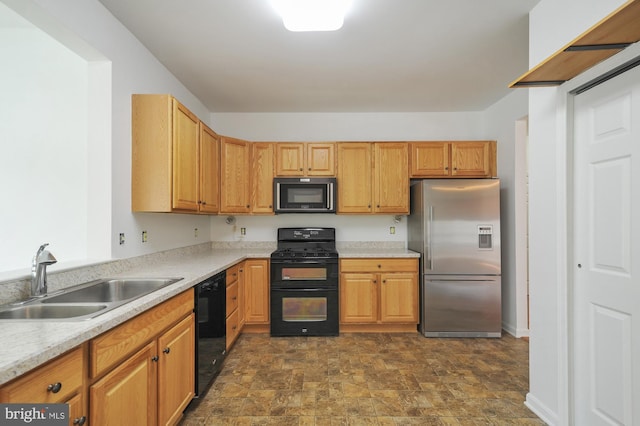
290, 159
430, 159
321, 159
77, 411
209, 171
234, 176
128, 394
471, 159
256, 282
242, 304
262, 183
176, 370
398, 298
358, 298
185, 158
354, 177
391, 177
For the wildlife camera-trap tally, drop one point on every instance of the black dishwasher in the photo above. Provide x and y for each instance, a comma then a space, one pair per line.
210, 329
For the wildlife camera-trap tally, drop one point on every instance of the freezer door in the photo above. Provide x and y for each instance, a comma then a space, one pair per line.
461, 221
461, 306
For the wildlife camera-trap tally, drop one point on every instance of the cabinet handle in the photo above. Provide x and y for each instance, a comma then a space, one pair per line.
155, 358
80, 420
54, 387
166, 350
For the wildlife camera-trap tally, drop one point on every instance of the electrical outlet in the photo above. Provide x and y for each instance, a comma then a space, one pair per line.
392, 230
121, 238
195, 232
243, 231
144, 236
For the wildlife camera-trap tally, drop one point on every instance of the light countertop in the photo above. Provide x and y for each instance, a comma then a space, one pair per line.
26, 344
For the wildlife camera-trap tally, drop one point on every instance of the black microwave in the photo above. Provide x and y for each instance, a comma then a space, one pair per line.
304, 195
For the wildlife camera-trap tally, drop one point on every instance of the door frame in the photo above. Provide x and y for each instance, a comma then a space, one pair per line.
565, 212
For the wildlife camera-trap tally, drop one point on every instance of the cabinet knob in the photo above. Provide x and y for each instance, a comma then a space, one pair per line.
270, 206
204, 203
375, 281
378, 206
234, 298
248, 206
54, 387
309, 168
155, 358
455, 168
446, 168
379, 266
384, 281
80, 420
301, 169
369, 206
166, 350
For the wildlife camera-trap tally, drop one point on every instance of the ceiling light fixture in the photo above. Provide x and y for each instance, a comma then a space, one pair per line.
312, 15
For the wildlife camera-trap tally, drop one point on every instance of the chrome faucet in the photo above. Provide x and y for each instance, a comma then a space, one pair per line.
39, 271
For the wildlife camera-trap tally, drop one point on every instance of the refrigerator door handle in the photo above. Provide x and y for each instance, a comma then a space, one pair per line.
429, 238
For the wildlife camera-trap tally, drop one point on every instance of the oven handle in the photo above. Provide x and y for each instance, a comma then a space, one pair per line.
290, 290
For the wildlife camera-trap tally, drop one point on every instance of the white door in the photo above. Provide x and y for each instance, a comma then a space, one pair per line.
606, 345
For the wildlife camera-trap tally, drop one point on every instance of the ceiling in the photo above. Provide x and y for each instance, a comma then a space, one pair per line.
390, 55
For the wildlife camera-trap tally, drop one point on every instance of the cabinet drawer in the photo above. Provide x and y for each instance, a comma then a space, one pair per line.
64, 372
232, 274
232, 328
232, 298
379, 265
117, 344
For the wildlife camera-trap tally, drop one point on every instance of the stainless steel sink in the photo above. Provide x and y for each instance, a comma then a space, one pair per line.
42, 312
111, 290
84, 301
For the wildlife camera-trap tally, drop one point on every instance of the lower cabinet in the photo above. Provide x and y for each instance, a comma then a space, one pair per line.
57, 381
233, 291
143, 371
378, 294
256, 283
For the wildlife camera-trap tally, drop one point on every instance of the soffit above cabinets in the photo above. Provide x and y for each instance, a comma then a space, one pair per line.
606, 38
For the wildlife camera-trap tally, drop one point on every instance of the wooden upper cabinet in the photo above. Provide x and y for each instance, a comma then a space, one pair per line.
473, 159
321, 159
391, 177
262, 160
235, 176
174, 158
373, 177
429, 159
305, 159
185, 158
355, 189
209, 201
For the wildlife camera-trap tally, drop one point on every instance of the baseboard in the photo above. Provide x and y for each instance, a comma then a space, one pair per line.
541, 410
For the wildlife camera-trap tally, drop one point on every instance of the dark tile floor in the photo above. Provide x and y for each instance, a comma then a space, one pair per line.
369, 379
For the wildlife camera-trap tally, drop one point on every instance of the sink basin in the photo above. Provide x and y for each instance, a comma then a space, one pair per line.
51, 311
111, 290
84, 301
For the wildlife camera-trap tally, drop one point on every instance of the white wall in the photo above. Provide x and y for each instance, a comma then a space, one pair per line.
501, 125
43, 167
131, 69
553, 23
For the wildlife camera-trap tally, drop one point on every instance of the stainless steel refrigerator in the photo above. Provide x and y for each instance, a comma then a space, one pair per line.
455, 225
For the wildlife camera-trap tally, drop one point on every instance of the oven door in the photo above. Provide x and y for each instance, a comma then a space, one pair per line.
304, 312
304, 274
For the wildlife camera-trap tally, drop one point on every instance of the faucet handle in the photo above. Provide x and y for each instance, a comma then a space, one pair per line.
41, 249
